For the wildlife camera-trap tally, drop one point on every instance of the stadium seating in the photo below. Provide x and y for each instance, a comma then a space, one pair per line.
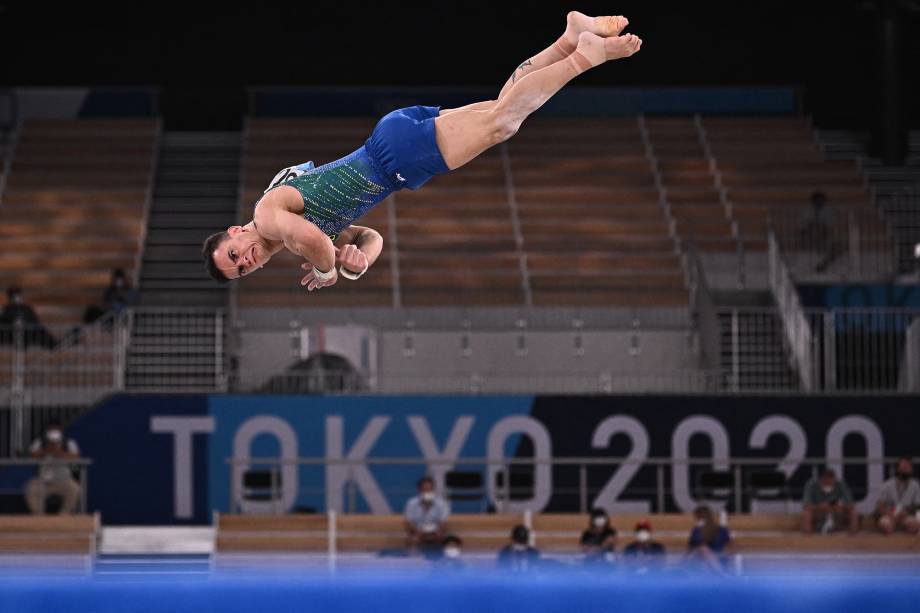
27, 534
73, 209
558, 533
701, 218
565, 194
463, 240
770, 166
587, 201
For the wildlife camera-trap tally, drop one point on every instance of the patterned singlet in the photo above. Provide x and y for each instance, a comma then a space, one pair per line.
338, 193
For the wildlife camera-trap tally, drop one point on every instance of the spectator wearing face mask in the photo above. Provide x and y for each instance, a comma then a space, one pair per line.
710, 542
519, 555
426, 516
828, 505
117, 296
599, 541
644, 554
57, 479
452, 554
19, 323
899, 500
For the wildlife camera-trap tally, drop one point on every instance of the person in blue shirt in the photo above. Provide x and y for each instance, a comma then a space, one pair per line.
710, 543
519, 556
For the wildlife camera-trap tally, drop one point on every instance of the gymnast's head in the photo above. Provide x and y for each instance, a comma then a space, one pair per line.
235, 252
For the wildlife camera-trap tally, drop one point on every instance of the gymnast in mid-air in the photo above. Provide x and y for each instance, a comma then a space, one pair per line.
310, 211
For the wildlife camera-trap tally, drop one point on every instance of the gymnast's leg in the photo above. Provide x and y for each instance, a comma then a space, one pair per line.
467, 132
576, 23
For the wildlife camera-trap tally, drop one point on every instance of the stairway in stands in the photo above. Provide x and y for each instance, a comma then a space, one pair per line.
196, 191
895, 189
752, 349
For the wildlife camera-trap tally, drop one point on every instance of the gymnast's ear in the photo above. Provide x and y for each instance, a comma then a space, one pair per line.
234, 230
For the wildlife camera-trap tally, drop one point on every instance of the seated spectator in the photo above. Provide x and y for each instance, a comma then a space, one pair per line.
899, 500
599, 541
117, 297
17, 315
54, 480
828, 505
710, 543
644, 554
426, 516
451, 558
519, 555
817, 231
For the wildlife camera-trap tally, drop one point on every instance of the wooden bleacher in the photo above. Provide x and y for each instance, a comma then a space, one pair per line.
772, 166
700, 216
31, 534
585, 198
555, 533
587, 202
73, 209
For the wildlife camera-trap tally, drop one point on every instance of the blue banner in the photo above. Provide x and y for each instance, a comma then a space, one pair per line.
166, 459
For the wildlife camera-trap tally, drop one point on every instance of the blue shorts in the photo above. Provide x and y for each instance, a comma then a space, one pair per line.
403, 144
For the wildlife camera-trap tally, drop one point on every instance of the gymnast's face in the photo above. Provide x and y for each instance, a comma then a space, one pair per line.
241, 254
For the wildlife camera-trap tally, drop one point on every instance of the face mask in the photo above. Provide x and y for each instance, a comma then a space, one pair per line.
600, 521
16, 299
427, 496
700, 523
643, 536
55, 436
827, 489
904, 476
518, 547
452, 552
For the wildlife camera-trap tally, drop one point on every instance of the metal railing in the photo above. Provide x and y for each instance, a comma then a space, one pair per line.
51, 372
79, 466
902, 210
840, 244
719, 349
664, 484
797, 331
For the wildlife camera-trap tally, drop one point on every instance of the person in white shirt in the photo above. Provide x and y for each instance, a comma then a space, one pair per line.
426, 517
56, 478
899, 500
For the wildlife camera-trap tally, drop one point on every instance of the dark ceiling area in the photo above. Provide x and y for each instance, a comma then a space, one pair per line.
845, 56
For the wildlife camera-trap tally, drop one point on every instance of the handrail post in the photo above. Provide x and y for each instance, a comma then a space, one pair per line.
659, 487
738, 486
736, 358
332, 535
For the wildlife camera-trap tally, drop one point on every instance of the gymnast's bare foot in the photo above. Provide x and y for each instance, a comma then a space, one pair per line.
576, 23
598, 50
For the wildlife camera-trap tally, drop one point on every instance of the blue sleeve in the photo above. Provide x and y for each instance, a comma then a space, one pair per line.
696, 538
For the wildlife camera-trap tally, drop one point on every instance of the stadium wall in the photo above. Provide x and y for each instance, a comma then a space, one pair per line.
164, 459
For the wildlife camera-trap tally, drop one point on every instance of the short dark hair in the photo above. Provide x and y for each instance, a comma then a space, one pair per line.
452, 539
520, 534
827, 471
211, 243
423, 480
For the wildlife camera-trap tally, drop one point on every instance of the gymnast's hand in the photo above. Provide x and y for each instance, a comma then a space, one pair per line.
352, 258
312, 282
